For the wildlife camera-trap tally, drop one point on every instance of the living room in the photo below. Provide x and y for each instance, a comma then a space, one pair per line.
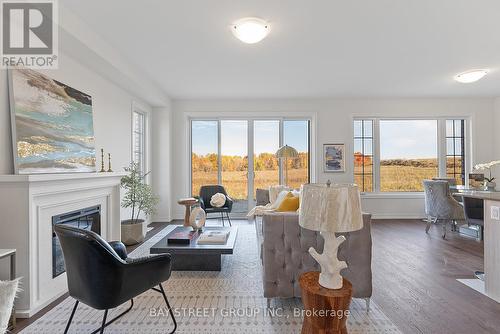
368, 203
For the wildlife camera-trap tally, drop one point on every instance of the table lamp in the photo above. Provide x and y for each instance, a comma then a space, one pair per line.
330, 209
286, 152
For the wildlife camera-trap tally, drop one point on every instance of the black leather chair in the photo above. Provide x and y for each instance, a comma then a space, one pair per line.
101, 275
206, 193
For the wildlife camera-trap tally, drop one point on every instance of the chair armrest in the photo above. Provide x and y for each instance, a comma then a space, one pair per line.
146, 272
229, 203
119, 248
202, 203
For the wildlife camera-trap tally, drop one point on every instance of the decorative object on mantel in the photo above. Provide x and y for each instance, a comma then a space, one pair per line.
330, 209
102, 162
333, 158
52, 125
109, 163
285, 152
140, 198
489, 183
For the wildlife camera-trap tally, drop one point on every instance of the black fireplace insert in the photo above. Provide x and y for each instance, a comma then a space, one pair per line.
88, 219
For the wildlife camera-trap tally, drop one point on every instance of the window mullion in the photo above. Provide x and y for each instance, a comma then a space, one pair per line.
376, 155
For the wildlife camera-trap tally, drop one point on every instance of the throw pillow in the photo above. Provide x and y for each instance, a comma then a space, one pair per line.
8, 290
218, 200
279, 199
274, 191
290, 203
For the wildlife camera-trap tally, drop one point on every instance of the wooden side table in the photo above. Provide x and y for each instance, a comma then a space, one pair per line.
12, 254
188, 203
325, 310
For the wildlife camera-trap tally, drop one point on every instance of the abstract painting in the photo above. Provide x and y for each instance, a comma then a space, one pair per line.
333, 158
52, 125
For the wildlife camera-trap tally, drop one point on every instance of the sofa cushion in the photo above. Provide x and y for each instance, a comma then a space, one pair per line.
289, 203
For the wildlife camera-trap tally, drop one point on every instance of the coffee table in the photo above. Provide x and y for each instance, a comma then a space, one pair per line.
194, 257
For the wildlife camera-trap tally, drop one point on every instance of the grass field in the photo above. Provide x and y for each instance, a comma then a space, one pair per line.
395, 175
236, 182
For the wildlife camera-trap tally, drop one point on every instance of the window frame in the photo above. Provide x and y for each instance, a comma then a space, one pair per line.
250, 128
441, 150
144, 163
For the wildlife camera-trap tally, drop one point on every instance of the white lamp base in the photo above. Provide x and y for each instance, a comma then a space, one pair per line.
330, 277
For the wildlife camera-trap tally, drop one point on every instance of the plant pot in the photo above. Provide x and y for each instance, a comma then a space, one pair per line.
132, 231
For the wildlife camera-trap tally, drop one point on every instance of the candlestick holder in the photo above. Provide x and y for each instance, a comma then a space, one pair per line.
109, 163
102, 161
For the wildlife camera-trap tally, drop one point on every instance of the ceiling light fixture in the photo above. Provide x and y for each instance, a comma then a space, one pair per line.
471, 75
250, 30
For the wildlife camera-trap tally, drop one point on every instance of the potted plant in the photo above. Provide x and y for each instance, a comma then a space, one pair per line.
139, 197
489, 183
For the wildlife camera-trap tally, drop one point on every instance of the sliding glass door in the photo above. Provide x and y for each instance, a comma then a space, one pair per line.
220, 149
266, 138
234, 162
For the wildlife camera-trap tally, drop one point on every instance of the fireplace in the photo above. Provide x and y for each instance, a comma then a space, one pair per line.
88, 219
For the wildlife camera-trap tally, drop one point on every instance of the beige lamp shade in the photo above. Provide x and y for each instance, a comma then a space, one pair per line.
330, 209
286, 152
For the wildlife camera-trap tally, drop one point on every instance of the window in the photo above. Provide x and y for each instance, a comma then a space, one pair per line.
396, 155
455, 148
139, 139
363, 154
408, 154
296, 135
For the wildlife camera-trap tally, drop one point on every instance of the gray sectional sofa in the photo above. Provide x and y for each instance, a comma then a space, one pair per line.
284, 253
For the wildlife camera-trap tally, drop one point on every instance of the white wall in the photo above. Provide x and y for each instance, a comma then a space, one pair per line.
111, 107
162, 161
333, 124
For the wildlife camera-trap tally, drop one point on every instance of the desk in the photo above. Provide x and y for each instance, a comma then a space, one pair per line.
491, 239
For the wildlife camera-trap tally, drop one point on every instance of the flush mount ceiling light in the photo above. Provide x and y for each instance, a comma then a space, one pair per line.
471, 75
250, 30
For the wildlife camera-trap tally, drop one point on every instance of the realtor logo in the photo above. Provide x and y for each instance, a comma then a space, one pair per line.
29, 34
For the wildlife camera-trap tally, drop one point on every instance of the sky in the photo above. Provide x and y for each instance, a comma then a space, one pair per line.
234, 136
408, 139
399, 139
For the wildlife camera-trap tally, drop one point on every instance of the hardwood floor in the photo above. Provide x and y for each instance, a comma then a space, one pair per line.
414, 280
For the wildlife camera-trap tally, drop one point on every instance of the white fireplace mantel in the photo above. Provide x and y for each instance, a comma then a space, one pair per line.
28, 203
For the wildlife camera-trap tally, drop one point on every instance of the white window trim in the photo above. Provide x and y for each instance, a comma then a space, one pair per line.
141, 109
441, 151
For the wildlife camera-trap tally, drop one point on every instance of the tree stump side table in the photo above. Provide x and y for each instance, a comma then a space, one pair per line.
188, 203
325, 310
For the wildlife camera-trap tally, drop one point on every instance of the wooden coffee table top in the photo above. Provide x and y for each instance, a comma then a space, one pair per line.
163, 246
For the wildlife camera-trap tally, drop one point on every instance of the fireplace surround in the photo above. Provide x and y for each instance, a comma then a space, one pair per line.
28, 204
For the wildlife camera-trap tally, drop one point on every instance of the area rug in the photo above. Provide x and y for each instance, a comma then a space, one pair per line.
230, 301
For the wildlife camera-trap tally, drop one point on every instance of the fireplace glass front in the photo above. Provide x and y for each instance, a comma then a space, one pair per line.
88, 219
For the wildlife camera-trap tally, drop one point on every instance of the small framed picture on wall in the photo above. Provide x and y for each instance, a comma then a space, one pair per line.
334, 158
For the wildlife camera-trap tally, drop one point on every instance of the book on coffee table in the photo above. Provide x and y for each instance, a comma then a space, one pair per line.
218, 237
181, 236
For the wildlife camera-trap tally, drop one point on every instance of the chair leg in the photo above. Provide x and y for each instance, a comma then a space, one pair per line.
106, 324
104, 321
228, 219
444, 228
429, 222
71, 317
222, 217
169, 308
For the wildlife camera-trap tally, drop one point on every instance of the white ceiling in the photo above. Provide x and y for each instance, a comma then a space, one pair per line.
316, 48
